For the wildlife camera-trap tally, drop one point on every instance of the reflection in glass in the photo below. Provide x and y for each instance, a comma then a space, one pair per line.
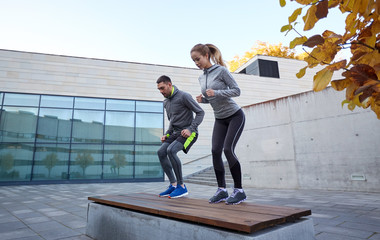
144, 106
88, 126
149, 128
118, 161
67, 143
15, 99
54, 125
90, 103
120, 105
18, 124
16, 161
86, 161
51, 162
120, 127
147, 164
56, 101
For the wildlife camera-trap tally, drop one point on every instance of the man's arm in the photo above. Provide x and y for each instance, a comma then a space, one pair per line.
194, 106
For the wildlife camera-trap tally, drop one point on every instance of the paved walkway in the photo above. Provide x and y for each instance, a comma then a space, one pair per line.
59, 211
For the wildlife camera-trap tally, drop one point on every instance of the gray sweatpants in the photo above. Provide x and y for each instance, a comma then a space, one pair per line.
170, 161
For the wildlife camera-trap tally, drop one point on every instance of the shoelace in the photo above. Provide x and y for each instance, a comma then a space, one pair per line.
217, 192
235, 192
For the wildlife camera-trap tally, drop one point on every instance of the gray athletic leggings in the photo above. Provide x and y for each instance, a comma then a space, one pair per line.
225, 135
169, 151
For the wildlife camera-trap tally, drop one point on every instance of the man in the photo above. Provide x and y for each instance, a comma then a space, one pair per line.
181, 134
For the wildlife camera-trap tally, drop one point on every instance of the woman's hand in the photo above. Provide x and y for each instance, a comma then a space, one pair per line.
210, 93
199, 98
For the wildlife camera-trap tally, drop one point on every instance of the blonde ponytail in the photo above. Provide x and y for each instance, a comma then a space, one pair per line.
213, 52
216, 55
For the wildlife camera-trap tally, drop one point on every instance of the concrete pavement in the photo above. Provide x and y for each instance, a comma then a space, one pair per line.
59, 211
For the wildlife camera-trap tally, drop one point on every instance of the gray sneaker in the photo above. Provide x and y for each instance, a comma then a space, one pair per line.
219, 196
236, 197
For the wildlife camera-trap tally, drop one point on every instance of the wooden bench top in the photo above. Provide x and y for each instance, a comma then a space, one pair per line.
245, 217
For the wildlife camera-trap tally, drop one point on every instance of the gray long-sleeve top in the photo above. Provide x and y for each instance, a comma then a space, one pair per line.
179, 109
225, 87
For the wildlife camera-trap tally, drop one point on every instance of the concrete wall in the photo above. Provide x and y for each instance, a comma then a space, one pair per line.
309, 141
74, 76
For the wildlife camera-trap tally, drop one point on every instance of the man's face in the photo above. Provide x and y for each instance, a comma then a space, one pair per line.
165, 88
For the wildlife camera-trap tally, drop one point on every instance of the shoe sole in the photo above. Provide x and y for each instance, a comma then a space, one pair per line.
221, 200
164, 195
236, 202
182, 195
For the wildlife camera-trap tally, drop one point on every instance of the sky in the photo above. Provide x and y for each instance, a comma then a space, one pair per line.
149, 31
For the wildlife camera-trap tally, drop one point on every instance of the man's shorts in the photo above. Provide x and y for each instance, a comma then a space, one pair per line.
187, 142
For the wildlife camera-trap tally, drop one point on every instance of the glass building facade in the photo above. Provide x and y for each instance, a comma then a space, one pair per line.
52, 139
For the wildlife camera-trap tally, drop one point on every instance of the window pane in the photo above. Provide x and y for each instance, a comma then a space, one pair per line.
18, 124
90, 103
1, 99
21, 99
54, 125
122, 105
51, 162
147, 162
118, 161
120, 127
86, 161
143, 106
88, 126
149, 128
16, 162
56, 101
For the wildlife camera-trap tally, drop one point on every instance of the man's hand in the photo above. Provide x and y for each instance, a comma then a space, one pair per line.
185, 133
199, 98
163, 138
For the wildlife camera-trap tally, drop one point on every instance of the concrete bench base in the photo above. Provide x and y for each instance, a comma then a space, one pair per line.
110, 223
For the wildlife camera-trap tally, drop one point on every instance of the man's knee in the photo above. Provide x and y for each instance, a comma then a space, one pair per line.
162, 152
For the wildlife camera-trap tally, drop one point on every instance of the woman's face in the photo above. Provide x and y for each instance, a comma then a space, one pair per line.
201, 61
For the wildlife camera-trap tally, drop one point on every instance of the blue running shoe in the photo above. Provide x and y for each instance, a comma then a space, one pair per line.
179, 192
166, 193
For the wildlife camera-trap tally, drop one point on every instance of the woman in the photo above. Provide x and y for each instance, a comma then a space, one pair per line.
218, 87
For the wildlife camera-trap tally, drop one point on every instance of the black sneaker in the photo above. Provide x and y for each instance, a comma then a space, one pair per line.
236, 197
219, 196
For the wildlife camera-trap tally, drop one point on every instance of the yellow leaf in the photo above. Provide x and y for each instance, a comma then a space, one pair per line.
338, 65
297, 41
375, 106
341, 84
334, 3
344, 102
322, 79
356, 100
295, 15
301, 73
351, 106
350, 90
304, 2
287, 27
310, 18
282, 3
